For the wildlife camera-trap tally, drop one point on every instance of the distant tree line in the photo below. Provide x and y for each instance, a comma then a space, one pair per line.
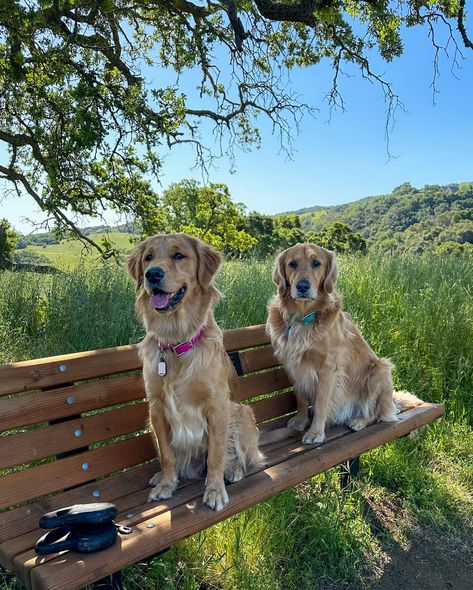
435, 218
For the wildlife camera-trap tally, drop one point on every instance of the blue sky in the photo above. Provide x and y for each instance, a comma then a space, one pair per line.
346, 159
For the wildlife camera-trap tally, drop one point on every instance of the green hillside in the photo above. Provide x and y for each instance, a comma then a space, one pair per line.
409, 219
69, 253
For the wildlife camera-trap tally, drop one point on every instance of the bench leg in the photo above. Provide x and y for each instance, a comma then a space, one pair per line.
115, 580
112, 582
348, 471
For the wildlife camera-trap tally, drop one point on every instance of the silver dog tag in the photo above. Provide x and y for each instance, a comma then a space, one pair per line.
162, 367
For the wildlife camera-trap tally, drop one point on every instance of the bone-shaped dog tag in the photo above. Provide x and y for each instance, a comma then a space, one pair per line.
162, 367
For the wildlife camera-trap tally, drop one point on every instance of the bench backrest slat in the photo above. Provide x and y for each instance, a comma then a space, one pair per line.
41, 373
71, 434
47, 372
61, 402
258, 359
273, 407
261, 383
241, 338
40, 480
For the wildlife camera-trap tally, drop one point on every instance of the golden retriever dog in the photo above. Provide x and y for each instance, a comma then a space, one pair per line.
331, 365
189, 379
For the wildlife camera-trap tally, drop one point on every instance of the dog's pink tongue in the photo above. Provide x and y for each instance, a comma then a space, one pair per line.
160, 300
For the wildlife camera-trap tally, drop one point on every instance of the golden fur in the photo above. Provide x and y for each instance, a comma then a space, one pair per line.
196, 424
331, 365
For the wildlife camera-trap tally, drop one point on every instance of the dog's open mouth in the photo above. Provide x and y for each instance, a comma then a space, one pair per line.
162, 301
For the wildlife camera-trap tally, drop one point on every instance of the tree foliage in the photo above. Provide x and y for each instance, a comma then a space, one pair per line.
339, 238
85, 129
205, 212
8, 240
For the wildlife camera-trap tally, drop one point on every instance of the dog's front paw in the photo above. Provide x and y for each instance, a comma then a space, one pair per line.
215, 497
299, 422
312, 438
164, 489
357, 423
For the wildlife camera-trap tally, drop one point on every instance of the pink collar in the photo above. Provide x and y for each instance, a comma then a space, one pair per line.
183, 347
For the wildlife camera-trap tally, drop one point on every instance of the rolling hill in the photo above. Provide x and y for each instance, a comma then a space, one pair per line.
408, 219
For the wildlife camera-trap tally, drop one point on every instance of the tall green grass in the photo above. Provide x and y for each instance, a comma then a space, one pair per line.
418, 311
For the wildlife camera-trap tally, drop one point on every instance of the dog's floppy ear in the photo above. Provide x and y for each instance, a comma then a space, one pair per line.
135, 268
279, 273
209, 261
331, 272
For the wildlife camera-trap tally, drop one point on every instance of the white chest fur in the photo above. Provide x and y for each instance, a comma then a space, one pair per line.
187, 422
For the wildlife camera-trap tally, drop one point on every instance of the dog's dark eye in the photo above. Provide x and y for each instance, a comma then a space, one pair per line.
315, 263
148, 257
293, 264
178, 256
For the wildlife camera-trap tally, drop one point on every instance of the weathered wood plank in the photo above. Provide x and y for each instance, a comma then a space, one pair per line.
43, 406
21, 520
73, 434
19, 486
241, 338
261, 383
67, 368
258, 359
273, 407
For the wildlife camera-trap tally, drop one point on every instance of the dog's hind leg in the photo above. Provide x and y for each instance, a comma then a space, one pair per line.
380, 386
301, 419
243, 451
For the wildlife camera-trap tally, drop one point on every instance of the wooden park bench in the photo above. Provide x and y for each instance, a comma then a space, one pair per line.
73, 431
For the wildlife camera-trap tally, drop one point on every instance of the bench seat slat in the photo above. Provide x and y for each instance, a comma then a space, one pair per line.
191, 517
126, 505
20, 486
43, 406
59, 438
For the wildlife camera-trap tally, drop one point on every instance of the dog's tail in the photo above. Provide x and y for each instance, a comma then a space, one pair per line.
266, 437
405, 400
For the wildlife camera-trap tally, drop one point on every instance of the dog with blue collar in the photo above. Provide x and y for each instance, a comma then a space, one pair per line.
331, 365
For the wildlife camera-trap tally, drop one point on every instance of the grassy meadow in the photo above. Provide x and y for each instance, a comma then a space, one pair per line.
69, 254
416, 310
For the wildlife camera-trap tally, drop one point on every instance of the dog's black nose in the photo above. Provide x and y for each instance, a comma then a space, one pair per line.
303, 286
155, 275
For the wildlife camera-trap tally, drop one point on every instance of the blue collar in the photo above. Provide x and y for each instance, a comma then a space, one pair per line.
307, 319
